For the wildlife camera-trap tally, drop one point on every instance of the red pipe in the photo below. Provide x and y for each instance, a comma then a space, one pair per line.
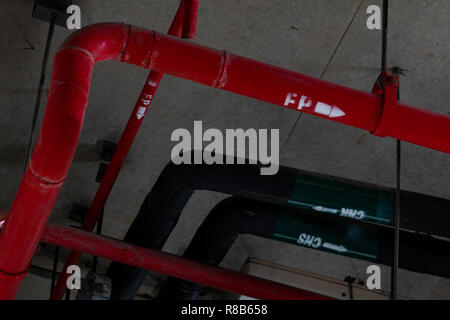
246, 77
184, 21
172, 265
72, 69
190, 19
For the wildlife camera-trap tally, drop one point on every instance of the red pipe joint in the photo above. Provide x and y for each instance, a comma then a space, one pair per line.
10, 283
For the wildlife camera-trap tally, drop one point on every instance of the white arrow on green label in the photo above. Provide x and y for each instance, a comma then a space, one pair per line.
334, 247
342, 249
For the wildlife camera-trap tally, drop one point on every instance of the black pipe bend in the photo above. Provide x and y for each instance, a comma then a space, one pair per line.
236, 216
162, 207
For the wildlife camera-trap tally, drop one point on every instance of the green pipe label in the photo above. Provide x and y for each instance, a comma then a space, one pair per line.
348, 200
354, 240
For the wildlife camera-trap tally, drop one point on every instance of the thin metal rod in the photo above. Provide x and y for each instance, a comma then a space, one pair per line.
99, 232
396, 219
37, 103
55, 269
395, 264
396, 258
384, 32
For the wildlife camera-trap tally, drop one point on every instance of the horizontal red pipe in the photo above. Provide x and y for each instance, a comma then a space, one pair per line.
75, 59
67, 100
172, 265
74, 62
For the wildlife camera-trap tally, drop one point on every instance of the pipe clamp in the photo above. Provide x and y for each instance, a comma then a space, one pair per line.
387, 87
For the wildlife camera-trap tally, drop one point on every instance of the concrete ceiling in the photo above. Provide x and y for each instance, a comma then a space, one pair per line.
322, 38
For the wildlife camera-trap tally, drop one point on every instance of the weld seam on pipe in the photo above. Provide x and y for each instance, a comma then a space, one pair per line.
78, 49
154, 51
49, 182
221, 78
126, 43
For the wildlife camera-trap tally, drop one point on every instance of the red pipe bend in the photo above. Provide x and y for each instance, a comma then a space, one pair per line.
75, 60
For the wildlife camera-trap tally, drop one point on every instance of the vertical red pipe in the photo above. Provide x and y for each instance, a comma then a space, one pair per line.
183, 24
29, 213
190, 19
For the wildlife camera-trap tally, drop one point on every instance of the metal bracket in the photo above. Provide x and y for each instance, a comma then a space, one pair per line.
386, 86
95, 287
78, 212
43, 9
101, 172
350, 280
106, 149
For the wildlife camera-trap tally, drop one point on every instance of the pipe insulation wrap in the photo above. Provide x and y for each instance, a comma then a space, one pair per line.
162, 207
235, 216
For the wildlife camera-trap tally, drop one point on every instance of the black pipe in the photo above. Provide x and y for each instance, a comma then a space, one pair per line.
162, 207
229, 219
54, 269
236, 216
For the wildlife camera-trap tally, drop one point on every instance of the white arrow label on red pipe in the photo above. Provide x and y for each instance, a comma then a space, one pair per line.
327, 110
331, 111
141, 112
